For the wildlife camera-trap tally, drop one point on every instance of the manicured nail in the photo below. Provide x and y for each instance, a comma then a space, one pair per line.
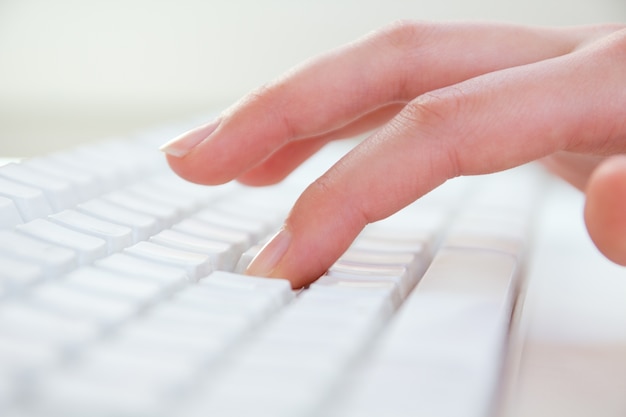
265, 262
184, 143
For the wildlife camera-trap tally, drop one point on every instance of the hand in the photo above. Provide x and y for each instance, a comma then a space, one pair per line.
445, 100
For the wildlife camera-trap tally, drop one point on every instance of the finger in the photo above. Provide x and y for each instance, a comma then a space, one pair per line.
486, 124
605, 208
333, 90
281, 163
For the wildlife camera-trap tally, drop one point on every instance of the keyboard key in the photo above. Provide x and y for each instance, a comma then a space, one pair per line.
59, 193
240, 241
139, 290
279, 290
165, 214
106, 174
74, 302
415, 263
73, 392
171, 184
9, 214
54, 259
246, 258
195, 264
256, 228
117, 237
30, 201
384, 287
87, 248
397, 274
182, 203
143, 225
169, 277
85, 184
222, 255
27, 322
15, 274
19, 357
222, 300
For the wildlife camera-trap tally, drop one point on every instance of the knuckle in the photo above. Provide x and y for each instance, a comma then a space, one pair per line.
405, 34
617, 45
271, 101
436, 116
435, 110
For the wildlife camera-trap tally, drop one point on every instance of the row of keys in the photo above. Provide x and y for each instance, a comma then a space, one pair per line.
179, 228
80, 344
42, 186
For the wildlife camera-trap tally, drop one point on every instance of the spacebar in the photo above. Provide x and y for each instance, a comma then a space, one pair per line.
444, 351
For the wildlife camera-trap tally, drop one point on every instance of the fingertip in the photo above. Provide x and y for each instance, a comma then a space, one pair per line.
183, 144
266, 261
188, 155
605, 208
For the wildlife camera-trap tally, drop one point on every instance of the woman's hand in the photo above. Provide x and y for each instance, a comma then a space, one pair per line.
443, 100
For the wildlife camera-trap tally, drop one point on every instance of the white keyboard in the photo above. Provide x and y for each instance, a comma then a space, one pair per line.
122, 294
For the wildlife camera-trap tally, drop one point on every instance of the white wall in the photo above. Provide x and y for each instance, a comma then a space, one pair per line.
77, 70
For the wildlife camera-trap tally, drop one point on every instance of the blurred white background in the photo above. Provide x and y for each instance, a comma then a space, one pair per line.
78, 70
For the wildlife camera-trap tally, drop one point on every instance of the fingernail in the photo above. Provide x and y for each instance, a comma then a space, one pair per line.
184, 143
265, 262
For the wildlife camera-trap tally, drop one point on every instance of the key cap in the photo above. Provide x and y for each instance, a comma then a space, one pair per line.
170, 183
117, 237
172, 278
279, 290
183, 203
86, 185
55, 260
30, 201
246, 258
18, 356
59, 193
27, 322
489, 229
415, 263
222, 255
195, 264
87, 248
143, 225
106, 282
396, 273
75, 303
106, 174
129, 160
226, 301
256, 228
165, 215
384, 287
9, 214
15, 274
238, 240
74, 393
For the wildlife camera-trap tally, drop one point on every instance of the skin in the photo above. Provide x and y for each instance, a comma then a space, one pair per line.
442, 100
